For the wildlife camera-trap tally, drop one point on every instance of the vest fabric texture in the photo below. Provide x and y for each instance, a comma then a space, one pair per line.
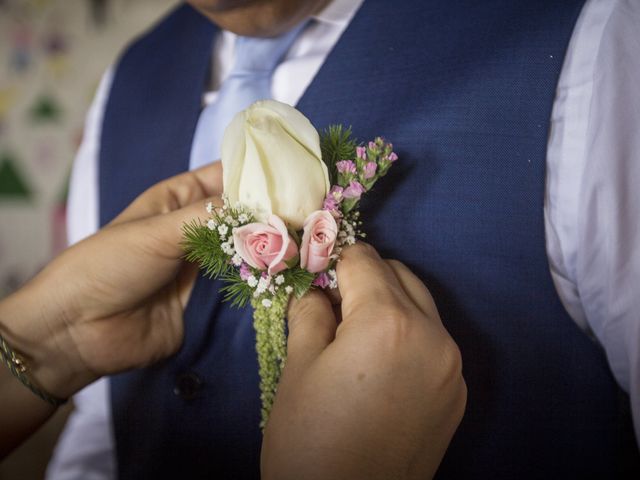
464, 89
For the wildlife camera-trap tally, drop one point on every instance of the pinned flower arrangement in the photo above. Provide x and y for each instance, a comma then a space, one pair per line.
290, 205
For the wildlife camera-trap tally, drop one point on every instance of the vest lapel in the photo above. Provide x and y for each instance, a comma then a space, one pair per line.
155, 114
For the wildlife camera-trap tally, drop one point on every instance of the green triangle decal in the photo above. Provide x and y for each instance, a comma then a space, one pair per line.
12, 185
45, 109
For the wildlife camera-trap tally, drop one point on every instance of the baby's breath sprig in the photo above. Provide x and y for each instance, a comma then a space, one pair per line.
210, 245
250, 285
350, 229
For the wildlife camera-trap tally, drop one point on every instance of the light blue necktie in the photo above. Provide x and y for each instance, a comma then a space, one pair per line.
248, 81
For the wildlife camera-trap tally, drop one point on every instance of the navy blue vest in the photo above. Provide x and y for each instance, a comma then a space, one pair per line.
464, 89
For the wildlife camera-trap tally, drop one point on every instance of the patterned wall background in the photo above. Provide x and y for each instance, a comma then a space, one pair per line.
52, 55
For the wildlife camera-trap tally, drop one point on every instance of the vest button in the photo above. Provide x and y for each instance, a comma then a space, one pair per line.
188, 385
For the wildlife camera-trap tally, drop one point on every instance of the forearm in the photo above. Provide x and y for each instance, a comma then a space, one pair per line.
22, 413
35, 330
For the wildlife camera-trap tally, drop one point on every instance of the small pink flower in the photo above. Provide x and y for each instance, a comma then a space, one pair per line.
361, 152
393, 157
265, 246
330, 203
346, 166
322, 280
333, 198
354, 190
370, 170
372, 145
336, 192
318, 239
245, 273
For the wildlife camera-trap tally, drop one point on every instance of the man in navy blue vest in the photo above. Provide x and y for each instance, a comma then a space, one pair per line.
514, 202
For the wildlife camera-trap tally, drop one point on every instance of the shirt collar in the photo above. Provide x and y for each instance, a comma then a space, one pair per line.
338, 11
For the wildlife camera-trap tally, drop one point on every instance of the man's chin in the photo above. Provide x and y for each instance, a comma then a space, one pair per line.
221, 5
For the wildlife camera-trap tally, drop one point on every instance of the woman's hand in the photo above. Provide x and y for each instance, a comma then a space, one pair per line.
378, 396
115, 300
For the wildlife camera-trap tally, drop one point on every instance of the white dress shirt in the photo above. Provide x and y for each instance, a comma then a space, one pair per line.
591, 206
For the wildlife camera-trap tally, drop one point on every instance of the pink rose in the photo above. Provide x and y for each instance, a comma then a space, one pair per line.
265, 246
318, 239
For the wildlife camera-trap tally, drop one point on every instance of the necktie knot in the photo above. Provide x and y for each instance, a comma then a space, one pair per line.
249, 80
262, 55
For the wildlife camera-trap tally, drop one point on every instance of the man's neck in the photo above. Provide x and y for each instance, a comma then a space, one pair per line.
260, 18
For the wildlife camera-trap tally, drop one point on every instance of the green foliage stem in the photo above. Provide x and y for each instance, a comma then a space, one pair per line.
336, 144
202, 246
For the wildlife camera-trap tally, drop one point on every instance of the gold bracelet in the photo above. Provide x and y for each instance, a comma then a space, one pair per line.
18, 367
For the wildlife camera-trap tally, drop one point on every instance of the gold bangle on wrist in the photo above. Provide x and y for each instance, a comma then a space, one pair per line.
18, 367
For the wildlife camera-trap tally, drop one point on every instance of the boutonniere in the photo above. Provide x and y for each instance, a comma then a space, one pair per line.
290, 205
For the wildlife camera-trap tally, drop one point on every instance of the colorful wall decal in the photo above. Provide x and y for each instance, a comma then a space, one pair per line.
53, 54
12, 184
7, 99
55, 43
45, 109
99, 11
22, 46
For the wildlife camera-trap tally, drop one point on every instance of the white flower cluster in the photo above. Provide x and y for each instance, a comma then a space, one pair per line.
225, 235
236, 260
265, 284
227, 247
269, 285
347, 234
333, 278
224, 222
349, 231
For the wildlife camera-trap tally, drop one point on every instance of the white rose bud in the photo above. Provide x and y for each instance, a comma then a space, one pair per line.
272, 163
